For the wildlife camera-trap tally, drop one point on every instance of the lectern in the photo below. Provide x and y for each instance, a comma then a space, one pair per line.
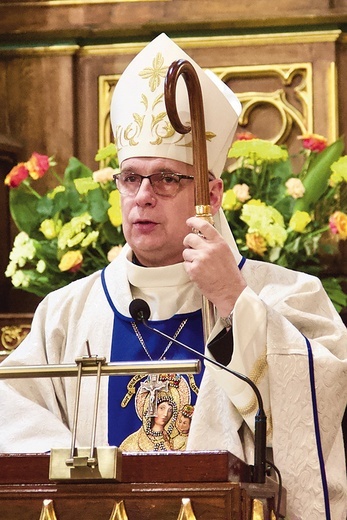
102, 483
149, 486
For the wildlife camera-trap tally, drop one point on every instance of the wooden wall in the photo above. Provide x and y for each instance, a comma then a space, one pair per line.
57, 56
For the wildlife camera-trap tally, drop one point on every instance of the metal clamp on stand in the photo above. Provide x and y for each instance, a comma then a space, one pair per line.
92, 462
76, 460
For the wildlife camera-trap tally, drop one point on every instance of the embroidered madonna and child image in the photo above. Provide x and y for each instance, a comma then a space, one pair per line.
163, 405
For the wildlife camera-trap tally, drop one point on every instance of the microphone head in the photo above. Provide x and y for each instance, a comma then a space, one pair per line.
139, 310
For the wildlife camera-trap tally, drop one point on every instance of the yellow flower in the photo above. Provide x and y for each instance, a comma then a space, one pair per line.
266, 221
57, 189
299, 221
91, 238
71, 261
41, 266
256, 150
20, 279
85, 184
76, 239
255, 242
73, 228
113, 253
339, 171
23, 249
114, 212
229, 201
50, 228
255, 202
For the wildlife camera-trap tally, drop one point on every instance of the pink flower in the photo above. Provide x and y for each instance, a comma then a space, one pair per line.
313, 142
17, 175
37, 165
245, 136
338, 224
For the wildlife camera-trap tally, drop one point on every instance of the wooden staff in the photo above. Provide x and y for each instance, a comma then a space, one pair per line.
197, 129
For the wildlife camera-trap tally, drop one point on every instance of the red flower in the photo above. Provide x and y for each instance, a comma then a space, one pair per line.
17, 175
313, 142
37, 165
245, 136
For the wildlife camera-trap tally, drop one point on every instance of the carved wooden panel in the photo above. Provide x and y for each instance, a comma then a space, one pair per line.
13, 329
57, 19
281, 94
55, 99
282, 98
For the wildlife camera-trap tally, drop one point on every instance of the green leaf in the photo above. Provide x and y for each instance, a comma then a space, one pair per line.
45, 208
335, 292
23, 206
109, 151
76, 170
98, 206
317, 177
85, 184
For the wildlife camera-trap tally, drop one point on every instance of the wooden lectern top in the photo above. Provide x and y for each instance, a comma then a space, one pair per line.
153, 486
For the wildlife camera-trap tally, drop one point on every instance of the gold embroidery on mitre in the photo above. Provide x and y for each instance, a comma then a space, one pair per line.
155, 73
159, 127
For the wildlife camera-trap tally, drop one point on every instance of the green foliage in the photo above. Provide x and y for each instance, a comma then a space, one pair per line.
64, 234
280, 216
68, 232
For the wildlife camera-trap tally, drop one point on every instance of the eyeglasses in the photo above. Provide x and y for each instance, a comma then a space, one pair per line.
165, 184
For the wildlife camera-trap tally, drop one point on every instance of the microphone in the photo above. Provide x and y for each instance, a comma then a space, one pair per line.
139, 310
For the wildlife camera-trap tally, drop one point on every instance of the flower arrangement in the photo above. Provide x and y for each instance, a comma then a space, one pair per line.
276, 215
292, 219
70, 231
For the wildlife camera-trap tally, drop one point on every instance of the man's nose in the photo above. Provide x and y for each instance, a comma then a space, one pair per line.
145, 192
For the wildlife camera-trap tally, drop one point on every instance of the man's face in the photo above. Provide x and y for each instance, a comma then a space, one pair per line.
155, 226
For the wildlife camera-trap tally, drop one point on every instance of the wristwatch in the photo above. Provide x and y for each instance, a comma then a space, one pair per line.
228, 321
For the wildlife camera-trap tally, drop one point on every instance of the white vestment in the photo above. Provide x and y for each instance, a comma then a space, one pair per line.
272, 318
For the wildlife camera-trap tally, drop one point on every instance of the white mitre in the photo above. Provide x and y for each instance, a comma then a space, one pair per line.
138, 115
141, 126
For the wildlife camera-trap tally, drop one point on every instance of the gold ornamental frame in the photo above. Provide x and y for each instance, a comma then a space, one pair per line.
288, 113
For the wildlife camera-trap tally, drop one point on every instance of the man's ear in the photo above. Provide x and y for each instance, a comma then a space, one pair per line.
216, 195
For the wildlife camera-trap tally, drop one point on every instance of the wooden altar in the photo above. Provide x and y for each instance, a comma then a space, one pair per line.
152, 486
